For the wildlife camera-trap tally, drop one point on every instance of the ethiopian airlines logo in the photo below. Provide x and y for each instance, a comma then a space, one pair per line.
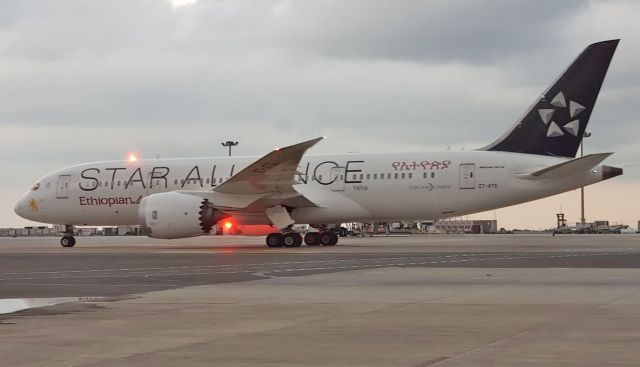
33, 205
109, 201
559, 103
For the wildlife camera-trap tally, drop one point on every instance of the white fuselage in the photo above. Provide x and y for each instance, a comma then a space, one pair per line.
344, 187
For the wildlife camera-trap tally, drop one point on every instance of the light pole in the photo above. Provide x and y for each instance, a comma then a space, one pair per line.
230, 144
582, 220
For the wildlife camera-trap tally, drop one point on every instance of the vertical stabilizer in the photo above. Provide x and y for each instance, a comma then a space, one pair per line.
555, 124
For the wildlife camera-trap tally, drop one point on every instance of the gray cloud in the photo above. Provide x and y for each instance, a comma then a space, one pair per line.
426, 31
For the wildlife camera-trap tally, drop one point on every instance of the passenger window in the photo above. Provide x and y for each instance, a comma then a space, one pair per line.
208, 181
402, 175
154, 214
106, 183
395, 176
118, 182
410, 174
361, 176
368, 176
433, 174
389, 176
355, 177
320, 178
175, 181
375, 176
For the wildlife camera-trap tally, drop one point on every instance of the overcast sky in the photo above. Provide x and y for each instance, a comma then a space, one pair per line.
92, 80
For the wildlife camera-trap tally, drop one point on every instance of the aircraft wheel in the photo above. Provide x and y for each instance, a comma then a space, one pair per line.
312, 239
298, 237
335, 238
68, 241
275, 240
328, 238
292, 240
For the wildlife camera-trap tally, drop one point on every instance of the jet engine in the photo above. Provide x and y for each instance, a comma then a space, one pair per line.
174, 215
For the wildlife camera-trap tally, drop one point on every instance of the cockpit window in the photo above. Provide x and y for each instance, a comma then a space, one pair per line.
35, 186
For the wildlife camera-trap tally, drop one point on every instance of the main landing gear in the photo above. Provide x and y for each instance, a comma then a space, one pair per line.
293, 239
67, 239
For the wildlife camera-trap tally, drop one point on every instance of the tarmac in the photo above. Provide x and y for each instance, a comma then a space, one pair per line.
473, 300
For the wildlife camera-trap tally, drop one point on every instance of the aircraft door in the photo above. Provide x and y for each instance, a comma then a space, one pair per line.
337, 178
62, 190
467, 176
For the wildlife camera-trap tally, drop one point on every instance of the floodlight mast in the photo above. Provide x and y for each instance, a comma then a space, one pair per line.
229, 144
582, 219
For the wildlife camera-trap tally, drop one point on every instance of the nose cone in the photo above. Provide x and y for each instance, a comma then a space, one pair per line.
26, 208
20, 206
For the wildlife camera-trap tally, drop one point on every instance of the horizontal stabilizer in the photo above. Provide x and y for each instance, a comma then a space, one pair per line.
567, 168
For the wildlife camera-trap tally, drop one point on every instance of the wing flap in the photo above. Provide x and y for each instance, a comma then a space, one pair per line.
567, 168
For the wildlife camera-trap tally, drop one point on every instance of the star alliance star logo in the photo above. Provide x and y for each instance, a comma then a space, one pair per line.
554, 130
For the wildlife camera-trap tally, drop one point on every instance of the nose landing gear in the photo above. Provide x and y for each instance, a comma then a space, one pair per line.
67, 239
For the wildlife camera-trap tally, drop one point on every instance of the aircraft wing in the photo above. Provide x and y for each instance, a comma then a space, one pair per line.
273, 173
569, 167
266, 182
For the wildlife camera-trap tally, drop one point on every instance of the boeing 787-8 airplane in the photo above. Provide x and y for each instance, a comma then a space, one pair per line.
177, 198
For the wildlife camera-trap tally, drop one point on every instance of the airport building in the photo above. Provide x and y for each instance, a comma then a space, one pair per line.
56, 231
465, 226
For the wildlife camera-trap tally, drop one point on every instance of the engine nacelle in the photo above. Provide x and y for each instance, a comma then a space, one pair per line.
173, 215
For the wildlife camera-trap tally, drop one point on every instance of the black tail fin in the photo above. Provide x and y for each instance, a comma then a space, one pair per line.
555, 124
